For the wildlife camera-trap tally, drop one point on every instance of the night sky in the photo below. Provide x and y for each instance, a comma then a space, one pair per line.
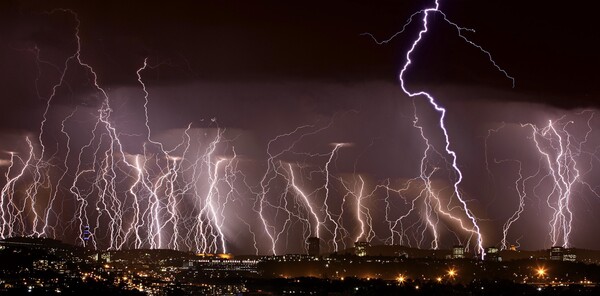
262, 68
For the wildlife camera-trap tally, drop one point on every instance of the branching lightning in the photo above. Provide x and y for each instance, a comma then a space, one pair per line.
435, 9
559, 168
84, 176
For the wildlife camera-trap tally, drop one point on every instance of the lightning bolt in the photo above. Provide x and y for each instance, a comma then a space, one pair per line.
148, 213
307, 202
556, 145
181, 196
7, 207
426, 13
277, 171
560, 152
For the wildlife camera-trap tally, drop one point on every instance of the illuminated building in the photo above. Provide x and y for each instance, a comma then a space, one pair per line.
556, 253
290, 258
492, 254
314, 248
568, 255
360, 248
40, 265
221, 267
105, 257
458, 252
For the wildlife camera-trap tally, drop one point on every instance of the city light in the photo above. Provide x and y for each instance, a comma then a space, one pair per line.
541, 272
452, 273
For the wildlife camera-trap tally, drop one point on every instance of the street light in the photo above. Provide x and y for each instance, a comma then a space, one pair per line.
452, 272
541, 272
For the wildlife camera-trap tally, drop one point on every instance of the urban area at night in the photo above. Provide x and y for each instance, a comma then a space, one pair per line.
267, 147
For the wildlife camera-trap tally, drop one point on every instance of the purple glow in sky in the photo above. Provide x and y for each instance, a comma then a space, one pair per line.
248, 128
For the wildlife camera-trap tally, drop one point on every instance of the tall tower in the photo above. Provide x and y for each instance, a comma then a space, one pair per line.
86, 236
314, 246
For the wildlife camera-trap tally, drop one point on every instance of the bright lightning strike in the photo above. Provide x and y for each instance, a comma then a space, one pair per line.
426, 13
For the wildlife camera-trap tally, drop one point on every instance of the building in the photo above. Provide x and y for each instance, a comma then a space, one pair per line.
86, 234
222, 267
314, 246
458, 252
289, 258
360, 248
556, 253
105, 257
569, 255
492, 254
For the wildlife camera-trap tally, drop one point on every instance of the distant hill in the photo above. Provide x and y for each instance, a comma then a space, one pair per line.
398, 250
148, 254
37, 242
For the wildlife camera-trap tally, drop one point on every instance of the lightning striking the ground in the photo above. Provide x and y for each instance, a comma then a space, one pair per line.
563, 165
560, 149
147, 213
426, 13
101, 171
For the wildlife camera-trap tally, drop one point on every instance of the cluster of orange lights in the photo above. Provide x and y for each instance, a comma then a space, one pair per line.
452, 273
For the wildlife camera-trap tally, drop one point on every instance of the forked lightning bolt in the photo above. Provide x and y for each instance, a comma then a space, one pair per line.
426, 13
